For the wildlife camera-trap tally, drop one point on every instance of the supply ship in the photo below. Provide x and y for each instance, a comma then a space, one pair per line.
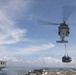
2, 66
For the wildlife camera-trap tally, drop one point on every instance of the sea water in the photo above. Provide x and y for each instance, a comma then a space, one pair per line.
16, 70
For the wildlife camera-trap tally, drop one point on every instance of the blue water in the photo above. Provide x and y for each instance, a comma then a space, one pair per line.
16, 70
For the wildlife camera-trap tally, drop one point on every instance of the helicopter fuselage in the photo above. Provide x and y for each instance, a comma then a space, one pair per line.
63, 31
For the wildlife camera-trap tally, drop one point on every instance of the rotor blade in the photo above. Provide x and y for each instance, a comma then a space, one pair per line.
67, 12
47, 23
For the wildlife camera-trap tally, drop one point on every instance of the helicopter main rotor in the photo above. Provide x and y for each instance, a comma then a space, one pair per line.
63, 28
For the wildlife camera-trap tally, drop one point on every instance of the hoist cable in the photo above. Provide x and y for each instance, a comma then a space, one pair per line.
66, 53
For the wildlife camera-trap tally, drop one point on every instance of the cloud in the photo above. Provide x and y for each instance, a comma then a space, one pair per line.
10, 11
47, 61
31, 49
39, 62
35, 48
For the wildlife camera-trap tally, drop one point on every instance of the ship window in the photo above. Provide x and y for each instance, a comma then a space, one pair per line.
1, 62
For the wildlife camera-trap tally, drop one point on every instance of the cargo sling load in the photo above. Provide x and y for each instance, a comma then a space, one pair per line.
66, 58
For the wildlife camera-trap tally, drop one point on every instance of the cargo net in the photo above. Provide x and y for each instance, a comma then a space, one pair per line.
66, 58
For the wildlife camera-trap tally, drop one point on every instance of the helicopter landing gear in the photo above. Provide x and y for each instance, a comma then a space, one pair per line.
66, 58
62, 41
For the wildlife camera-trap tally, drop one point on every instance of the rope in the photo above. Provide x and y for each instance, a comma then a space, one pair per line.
66, 53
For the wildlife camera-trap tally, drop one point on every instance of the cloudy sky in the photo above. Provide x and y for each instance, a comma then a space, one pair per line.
24, 40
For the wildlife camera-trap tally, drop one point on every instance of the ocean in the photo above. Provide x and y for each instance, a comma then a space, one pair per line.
16, 70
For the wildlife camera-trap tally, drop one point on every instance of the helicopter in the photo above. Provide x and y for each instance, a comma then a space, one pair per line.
63, 27
63, 30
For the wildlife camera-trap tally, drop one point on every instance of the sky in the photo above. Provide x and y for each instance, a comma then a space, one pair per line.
26, 42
